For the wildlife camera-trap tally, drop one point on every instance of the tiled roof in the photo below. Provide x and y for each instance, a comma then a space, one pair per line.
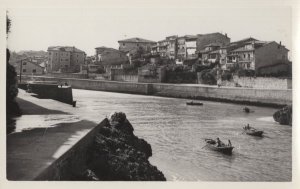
215, 51
213, 45
244, 40
106, 49
137, 40
242, 49
216, 33
64, 48
257, 44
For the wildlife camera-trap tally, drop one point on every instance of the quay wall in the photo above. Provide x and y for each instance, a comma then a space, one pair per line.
192, 91
88, 84
260, 82
72, 162
234, 94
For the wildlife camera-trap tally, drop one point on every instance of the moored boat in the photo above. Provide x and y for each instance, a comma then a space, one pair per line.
194, 103
212, 144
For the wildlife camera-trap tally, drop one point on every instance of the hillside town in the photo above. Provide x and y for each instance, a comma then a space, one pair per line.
203, 58
140, 94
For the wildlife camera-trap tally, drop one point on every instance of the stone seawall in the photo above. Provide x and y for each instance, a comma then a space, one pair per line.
272, 97
235, 95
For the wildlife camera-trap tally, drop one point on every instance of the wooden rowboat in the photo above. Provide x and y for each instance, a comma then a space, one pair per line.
194, 103
211, 144
253, 132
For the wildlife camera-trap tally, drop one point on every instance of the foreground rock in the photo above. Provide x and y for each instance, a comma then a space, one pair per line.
284, 116
117, 154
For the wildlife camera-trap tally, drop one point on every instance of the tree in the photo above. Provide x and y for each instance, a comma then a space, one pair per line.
12, 107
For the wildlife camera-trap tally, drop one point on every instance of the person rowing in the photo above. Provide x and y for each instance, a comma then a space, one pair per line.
219, 143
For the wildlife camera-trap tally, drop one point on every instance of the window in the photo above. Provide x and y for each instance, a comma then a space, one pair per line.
24, 70
123, 44
24, 63
137, 44
34, 71
244, 55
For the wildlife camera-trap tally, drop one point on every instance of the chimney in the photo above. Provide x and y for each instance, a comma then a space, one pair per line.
225, 34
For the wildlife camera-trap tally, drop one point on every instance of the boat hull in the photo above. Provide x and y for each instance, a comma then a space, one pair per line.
255, 133
194, 103
224, 150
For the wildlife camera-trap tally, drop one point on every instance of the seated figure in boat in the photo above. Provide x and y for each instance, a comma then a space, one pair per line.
229, 143
219, 143
247, 127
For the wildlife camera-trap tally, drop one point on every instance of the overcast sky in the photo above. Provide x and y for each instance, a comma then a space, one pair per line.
87, 28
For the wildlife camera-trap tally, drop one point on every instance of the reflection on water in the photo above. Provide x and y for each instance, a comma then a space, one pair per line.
176, 133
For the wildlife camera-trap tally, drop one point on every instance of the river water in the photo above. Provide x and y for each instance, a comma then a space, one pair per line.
176, 133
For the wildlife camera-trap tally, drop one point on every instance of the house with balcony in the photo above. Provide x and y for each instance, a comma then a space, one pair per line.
172, 47
191, 47
186, 47
210, 53
228, 58
162, 47
259, 56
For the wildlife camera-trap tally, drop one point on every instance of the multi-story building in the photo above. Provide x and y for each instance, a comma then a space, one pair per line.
186, 47
65, 59
28, 68
191, 47
162, 47
257, 55
136, 45
210, 53
110, 58
172, 46
228, 59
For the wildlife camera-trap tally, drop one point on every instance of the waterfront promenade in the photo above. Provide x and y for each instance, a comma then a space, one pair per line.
46, 137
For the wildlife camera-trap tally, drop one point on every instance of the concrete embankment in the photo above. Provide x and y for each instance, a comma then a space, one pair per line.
270, 97
69, 147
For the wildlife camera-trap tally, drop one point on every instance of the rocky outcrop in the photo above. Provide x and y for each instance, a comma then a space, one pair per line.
284, 116
118, 155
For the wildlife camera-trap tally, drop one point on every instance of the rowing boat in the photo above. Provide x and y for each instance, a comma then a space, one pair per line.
211, 144
194, 103
253, 132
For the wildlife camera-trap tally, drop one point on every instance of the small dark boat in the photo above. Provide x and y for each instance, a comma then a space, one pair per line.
211, 144
246, 109
194, 103
253, 132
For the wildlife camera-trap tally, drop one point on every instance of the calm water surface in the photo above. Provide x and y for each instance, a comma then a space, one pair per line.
176, 133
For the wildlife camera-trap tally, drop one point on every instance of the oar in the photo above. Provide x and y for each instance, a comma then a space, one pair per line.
204, 146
